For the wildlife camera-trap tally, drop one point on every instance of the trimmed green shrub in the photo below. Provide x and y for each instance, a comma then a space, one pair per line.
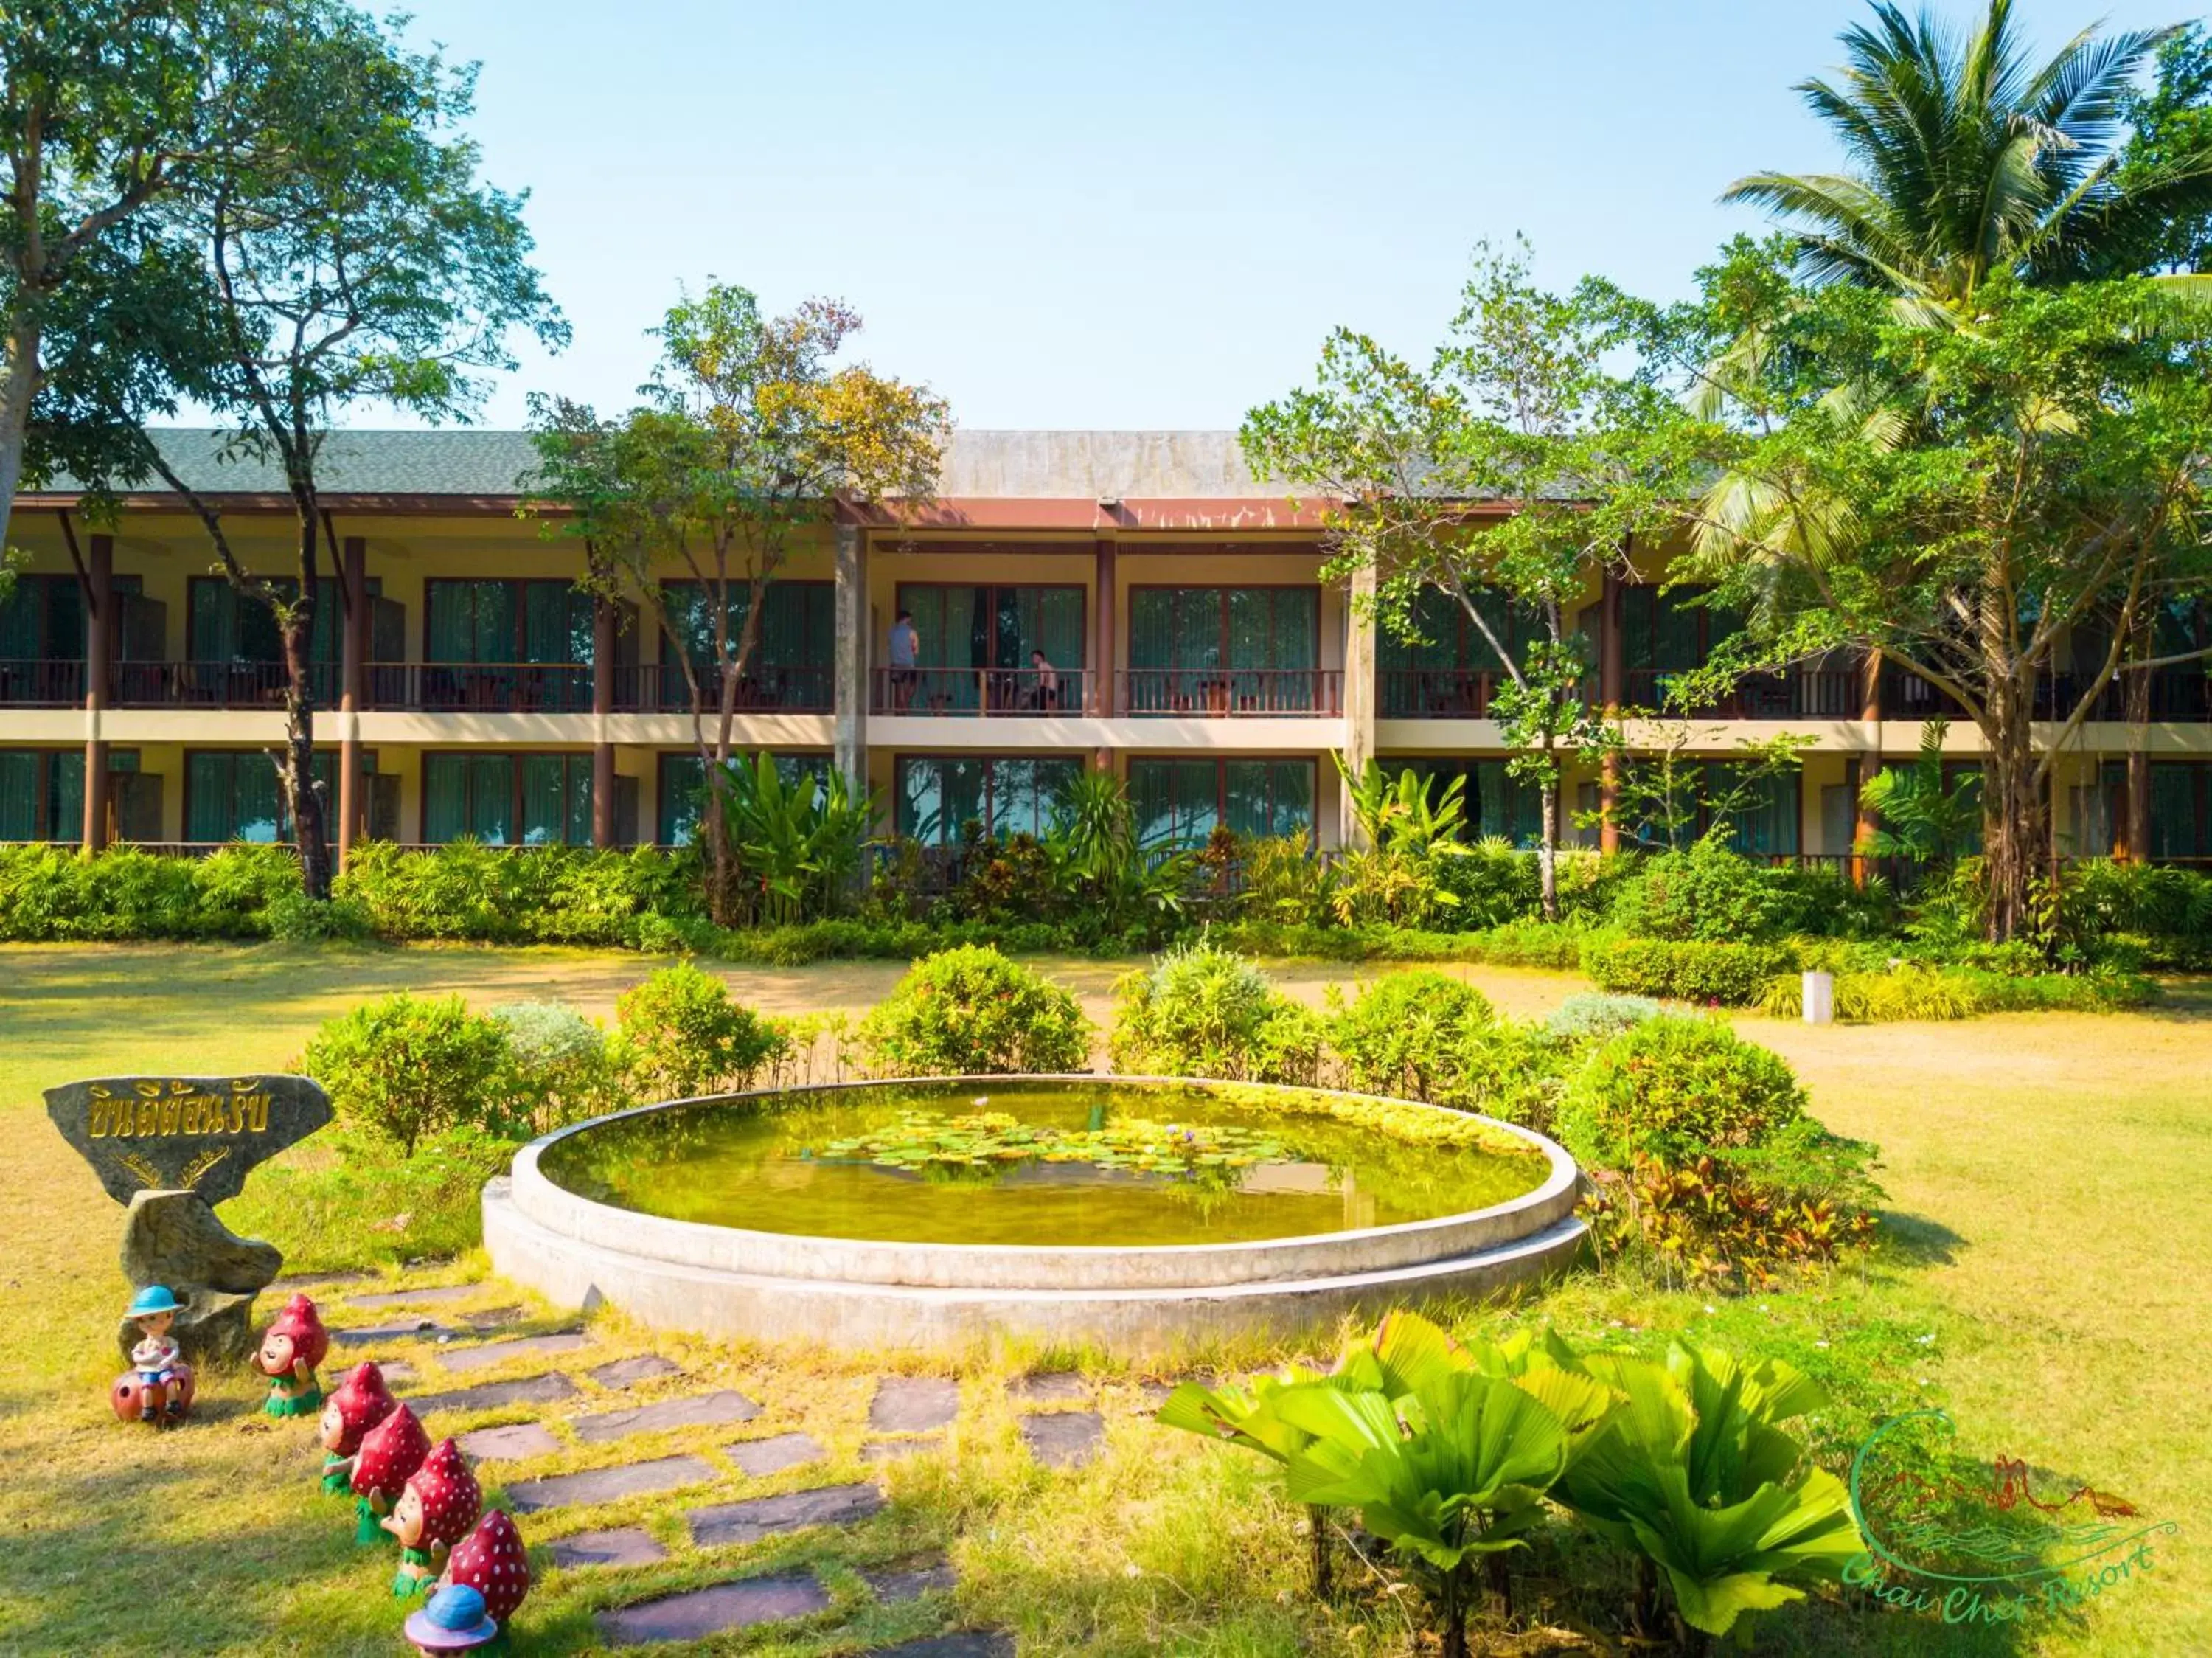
1685, 969
1706, 893
971, 1011
1596, 1017
1916, 990
406, 1068
292, 917
683, 1035
561, 1068
1676, 1088
1405, 1034
1204, 1011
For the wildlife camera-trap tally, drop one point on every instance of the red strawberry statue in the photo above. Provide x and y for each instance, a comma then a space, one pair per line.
440, 1502
492, 1560
360, 1401
157, 1388
294, 1345
390, 1453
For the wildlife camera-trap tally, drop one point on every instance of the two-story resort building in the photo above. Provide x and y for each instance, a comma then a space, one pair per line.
1134, 600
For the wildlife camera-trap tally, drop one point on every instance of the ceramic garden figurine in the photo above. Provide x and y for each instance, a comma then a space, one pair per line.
361, 1402
435, 1509
492, 1560
390, 1453
294, 1345
452, 1620
157, 1388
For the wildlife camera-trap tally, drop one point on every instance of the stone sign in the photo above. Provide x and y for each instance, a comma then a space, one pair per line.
200, 1134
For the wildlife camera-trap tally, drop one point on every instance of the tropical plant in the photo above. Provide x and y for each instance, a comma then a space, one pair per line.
1676, 1088
683, 1035
561, 1068
1708, 892
1254, 1420
1096, 863
796, 841
1695, 1475
1923, 816
1596, 1016
1392, 879
1286, 883
970, 1011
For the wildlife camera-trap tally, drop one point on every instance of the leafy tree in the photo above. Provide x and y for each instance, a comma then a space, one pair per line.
751, 436
1970, 161
1668, 795
2170, 122
1505, 475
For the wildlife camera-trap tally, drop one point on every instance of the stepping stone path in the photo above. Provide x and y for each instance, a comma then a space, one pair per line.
664, 1474
1064, 1439
492, 1318
913, 1405
547, 1389
511, 1443
762, 1457
498, 1352
622, 1372
453, 1292
898, 1450
629, 1545
405, 1330
701, 1411
899, 1585
766, 1516
1053, 1388
970, 1643
702, 1613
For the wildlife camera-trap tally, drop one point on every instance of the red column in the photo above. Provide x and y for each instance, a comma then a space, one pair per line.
1863, 771
1611, 683
602, 706
100, 625
1100, 699
353, 577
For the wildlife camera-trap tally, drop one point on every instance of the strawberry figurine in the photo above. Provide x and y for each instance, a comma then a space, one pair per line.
360, 1401
390, 1453
440, 1502
492, 1560
294, 1345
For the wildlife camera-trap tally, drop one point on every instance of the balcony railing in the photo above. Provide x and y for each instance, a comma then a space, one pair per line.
217, 685
1434, 693
30, 682
1792, 694
660, 687
974, 691
1231, 692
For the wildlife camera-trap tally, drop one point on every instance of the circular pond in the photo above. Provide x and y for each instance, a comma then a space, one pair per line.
1130, 1213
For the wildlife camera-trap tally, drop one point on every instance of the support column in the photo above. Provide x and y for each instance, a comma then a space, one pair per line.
604, 634
353, 637
2138, 804
99, 625
1865, 821
1358, 691
849, 724
1612, 687
1101, 701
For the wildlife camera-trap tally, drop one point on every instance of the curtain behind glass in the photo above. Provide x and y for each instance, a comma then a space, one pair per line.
20, 812
1176, 802
2177, 829
1270, 797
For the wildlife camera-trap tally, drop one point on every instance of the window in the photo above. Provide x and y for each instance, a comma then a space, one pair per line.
234, 793
1435, 675
42, 619
223, 627
1768, 822
938, 795
683, 784
529, 800
1177, 802
2180, 809
41, 793
794, 662
1218, 649
976, 641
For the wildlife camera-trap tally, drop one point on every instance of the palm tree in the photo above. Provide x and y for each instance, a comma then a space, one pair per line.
1969, 160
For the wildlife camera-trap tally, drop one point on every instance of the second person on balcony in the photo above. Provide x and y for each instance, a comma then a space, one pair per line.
906, 652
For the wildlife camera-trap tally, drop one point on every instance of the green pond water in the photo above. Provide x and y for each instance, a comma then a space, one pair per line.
1078, 1163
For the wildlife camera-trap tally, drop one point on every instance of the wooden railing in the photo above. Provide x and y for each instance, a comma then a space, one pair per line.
35, 682
1230, 692
977, 691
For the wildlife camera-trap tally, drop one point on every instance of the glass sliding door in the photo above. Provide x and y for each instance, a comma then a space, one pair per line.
505, 800
938, 796
975, 645
512, 645
1178, 802
794, 661
41, 793
1224, 650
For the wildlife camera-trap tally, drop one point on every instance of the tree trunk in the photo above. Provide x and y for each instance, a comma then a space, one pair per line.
2016, 846
1547, 848
19, 385
1324, 1560
310, 818
722, 906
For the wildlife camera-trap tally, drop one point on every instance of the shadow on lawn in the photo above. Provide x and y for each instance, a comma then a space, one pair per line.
1917, 1240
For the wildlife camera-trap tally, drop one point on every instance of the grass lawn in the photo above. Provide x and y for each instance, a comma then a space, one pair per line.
2046, 1231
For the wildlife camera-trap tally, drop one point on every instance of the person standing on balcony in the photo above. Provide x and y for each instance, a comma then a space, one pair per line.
906, 652
1045, 687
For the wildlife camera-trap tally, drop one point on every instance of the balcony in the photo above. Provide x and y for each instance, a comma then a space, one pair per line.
1435, 693
32, 682
1795, 694
977, 692
1230, 693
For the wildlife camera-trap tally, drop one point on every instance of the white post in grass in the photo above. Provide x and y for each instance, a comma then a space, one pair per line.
1820, 998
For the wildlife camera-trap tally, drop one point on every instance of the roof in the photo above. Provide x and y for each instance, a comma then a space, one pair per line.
476, 463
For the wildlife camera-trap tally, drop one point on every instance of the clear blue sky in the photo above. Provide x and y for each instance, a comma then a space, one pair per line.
1068, 213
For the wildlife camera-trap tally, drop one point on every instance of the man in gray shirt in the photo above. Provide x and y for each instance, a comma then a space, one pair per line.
906, 648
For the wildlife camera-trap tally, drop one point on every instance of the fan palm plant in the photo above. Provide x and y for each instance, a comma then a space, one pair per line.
1969, 158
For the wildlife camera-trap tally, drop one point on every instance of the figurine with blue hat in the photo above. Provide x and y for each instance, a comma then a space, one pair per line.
452, 1620
157, 1388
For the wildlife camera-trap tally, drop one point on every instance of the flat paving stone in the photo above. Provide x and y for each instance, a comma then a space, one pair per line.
626, 1545
1053, 1388
1063, 1439
398, 1330
898, 1450
897, 1584
1150, 1395
766, 1516
702, 1613
913, 1405
491, 1318
762, 1456
968, 1643
661, 1474
645, 1367
699, 1410
511, 1443
547, 1389
452, 1292
498, 1352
